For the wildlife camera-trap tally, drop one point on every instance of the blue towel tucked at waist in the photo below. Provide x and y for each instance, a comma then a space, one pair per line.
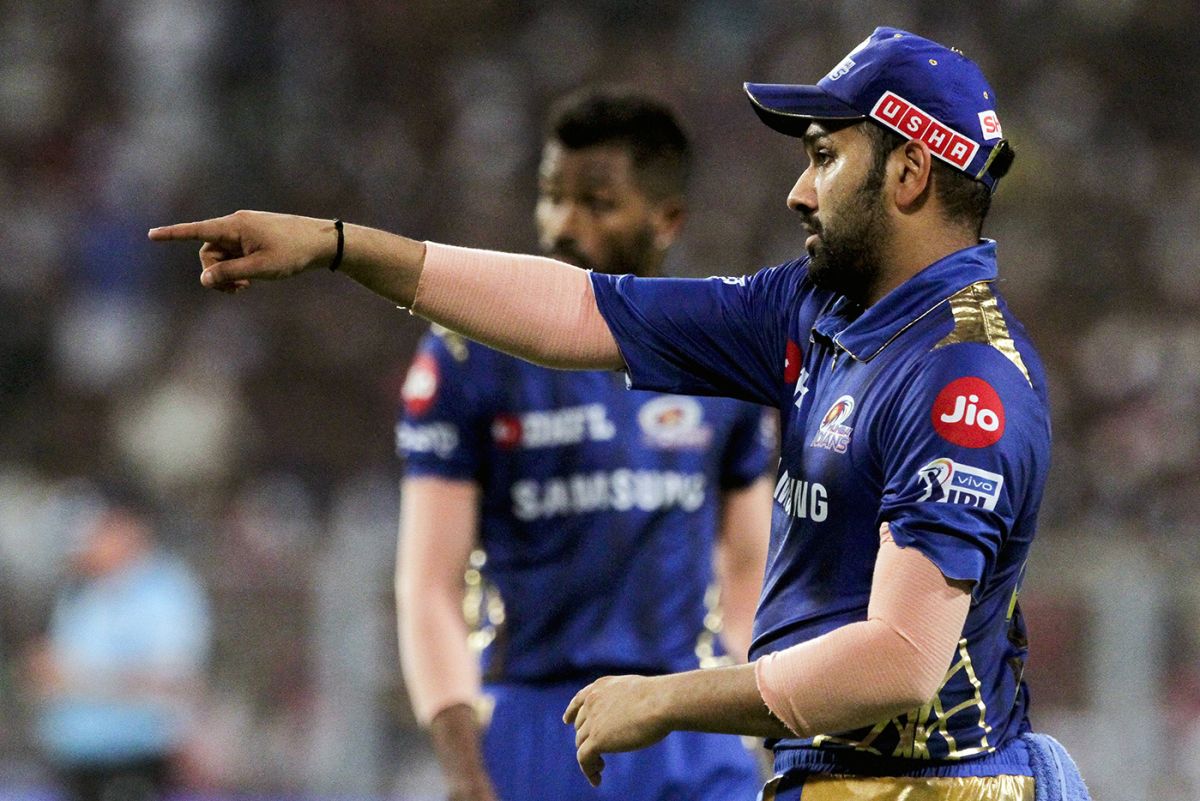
1055, 776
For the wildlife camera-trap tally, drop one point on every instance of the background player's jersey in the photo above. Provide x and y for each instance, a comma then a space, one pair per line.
600, 506
927, 410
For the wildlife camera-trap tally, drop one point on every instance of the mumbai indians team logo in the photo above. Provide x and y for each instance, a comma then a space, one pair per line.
947, 481
833, 435
673, 421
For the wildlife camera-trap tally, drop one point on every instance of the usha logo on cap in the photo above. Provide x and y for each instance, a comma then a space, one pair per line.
906, 119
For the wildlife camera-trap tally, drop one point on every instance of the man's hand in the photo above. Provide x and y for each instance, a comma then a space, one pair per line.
615, 713
248, 245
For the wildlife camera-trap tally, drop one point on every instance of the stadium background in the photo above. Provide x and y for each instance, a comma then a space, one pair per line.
263, 422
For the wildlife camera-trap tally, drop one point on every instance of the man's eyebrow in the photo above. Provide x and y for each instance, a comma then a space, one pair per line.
812, 137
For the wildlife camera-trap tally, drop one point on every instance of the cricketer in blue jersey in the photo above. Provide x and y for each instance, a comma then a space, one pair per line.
889, 646
599, 510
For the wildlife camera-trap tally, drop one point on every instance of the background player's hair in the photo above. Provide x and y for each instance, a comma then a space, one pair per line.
646, 126
965, 200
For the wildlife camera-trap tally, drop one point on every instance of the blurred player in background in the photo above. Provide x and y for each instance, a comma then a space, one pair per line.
889, 645
598, 509
121, 667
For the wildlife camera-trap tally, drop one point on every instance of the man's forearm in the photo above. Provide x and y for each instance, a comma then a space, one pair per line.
455, 733
534, 308
723, 700
387, 264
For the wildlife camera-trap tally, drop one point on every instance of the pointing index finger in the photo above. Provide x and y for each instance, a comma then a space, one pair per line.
218, 229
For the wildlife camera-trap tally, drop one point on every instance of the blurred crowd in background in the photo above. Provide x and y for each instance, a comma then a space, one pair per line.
261, 425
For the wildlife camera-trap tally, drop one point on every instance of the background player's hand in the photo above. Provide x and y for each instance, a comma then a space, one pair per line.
615, 713
248, 245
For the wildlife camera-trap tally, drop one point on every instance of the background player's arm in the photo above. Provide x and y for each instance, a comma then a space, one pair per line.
439, 522
534, 308
741, 557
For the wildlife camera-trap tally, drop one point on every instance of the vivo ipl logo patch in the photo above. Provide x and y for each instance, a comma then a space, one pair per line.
947, 481
832, 435
905, 118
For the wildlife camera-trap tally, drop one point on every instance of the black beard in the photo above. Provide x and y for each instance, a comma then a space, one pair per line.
846, 259
636, 255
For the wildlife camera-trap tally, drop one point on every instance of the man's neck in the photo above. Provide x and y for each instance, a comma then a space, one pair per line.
913, 252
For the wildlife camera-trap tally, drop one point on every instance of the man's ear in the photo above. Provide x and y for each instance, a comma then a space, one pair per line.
668, 221
915, 176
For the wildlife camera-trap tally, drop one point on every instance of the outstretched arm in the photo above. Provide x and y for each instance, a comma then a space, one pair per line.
534, 308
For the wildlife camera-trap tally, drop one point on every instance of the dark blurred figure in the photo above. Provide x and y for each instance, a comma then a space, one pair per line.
120, 667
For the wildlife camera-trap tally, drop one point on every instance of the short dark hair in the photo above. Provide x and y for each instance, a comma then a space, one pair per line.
965, 200
644, 125
121, 494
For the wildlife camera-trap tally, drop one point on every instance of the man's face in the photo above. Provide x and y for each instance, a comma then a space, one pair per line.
839, 196
110, 542
592, 213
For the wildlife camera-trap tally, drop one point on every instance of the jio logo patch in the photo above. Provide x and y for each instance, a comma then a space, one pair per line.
968, 412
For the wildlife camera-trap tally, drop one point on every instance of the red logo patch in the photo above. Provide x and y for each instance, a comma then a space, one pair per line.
420, 385
793, 362
990, 124
898, 114
968, 412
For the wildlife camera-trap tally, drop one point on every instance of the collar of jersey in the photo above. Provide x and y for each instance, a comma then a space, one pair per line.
863, 335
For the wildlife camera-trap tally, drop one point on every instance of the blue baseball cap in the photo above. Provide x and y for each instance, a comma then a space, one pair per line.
908, 84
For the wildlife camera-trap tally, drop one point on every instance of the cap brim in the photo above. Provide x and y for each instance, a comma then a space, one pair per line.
789, 108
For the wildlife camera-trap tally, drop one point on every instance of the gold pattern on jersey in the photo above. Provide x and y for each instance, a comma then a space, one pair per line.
455, 343
483, 608
915, 727
978, 318
714, 623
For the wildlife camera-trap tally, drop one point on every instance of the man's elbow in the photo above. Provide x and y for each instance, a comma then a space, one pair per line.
913, 682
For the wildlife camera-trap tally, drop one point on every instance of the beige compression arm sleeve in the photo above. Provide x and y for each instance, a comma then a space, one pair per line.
479, 293
865, 672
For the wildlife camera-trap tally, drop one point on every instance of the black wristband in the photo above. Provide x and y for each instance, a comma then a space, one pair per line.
341, 246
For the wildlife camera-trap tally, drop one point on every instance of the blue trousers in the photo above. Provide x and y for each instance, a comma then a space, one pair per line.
530, 756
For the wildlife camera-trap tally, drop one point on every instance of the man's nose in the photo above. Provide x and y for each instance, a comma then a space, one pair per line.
803, 197
564, 221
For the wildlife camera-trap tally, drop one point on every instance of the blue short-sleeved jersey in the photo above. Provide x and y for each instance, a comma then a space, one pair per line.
599, 508
927, 410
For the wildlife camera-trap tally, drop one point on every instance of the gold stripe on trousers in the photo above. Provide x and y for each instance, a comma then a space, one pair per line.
822, 787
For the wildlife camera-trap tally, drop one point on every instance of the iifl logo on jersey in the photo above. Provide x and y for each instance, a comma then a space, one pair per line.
968, 412
552, 428
833, 435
